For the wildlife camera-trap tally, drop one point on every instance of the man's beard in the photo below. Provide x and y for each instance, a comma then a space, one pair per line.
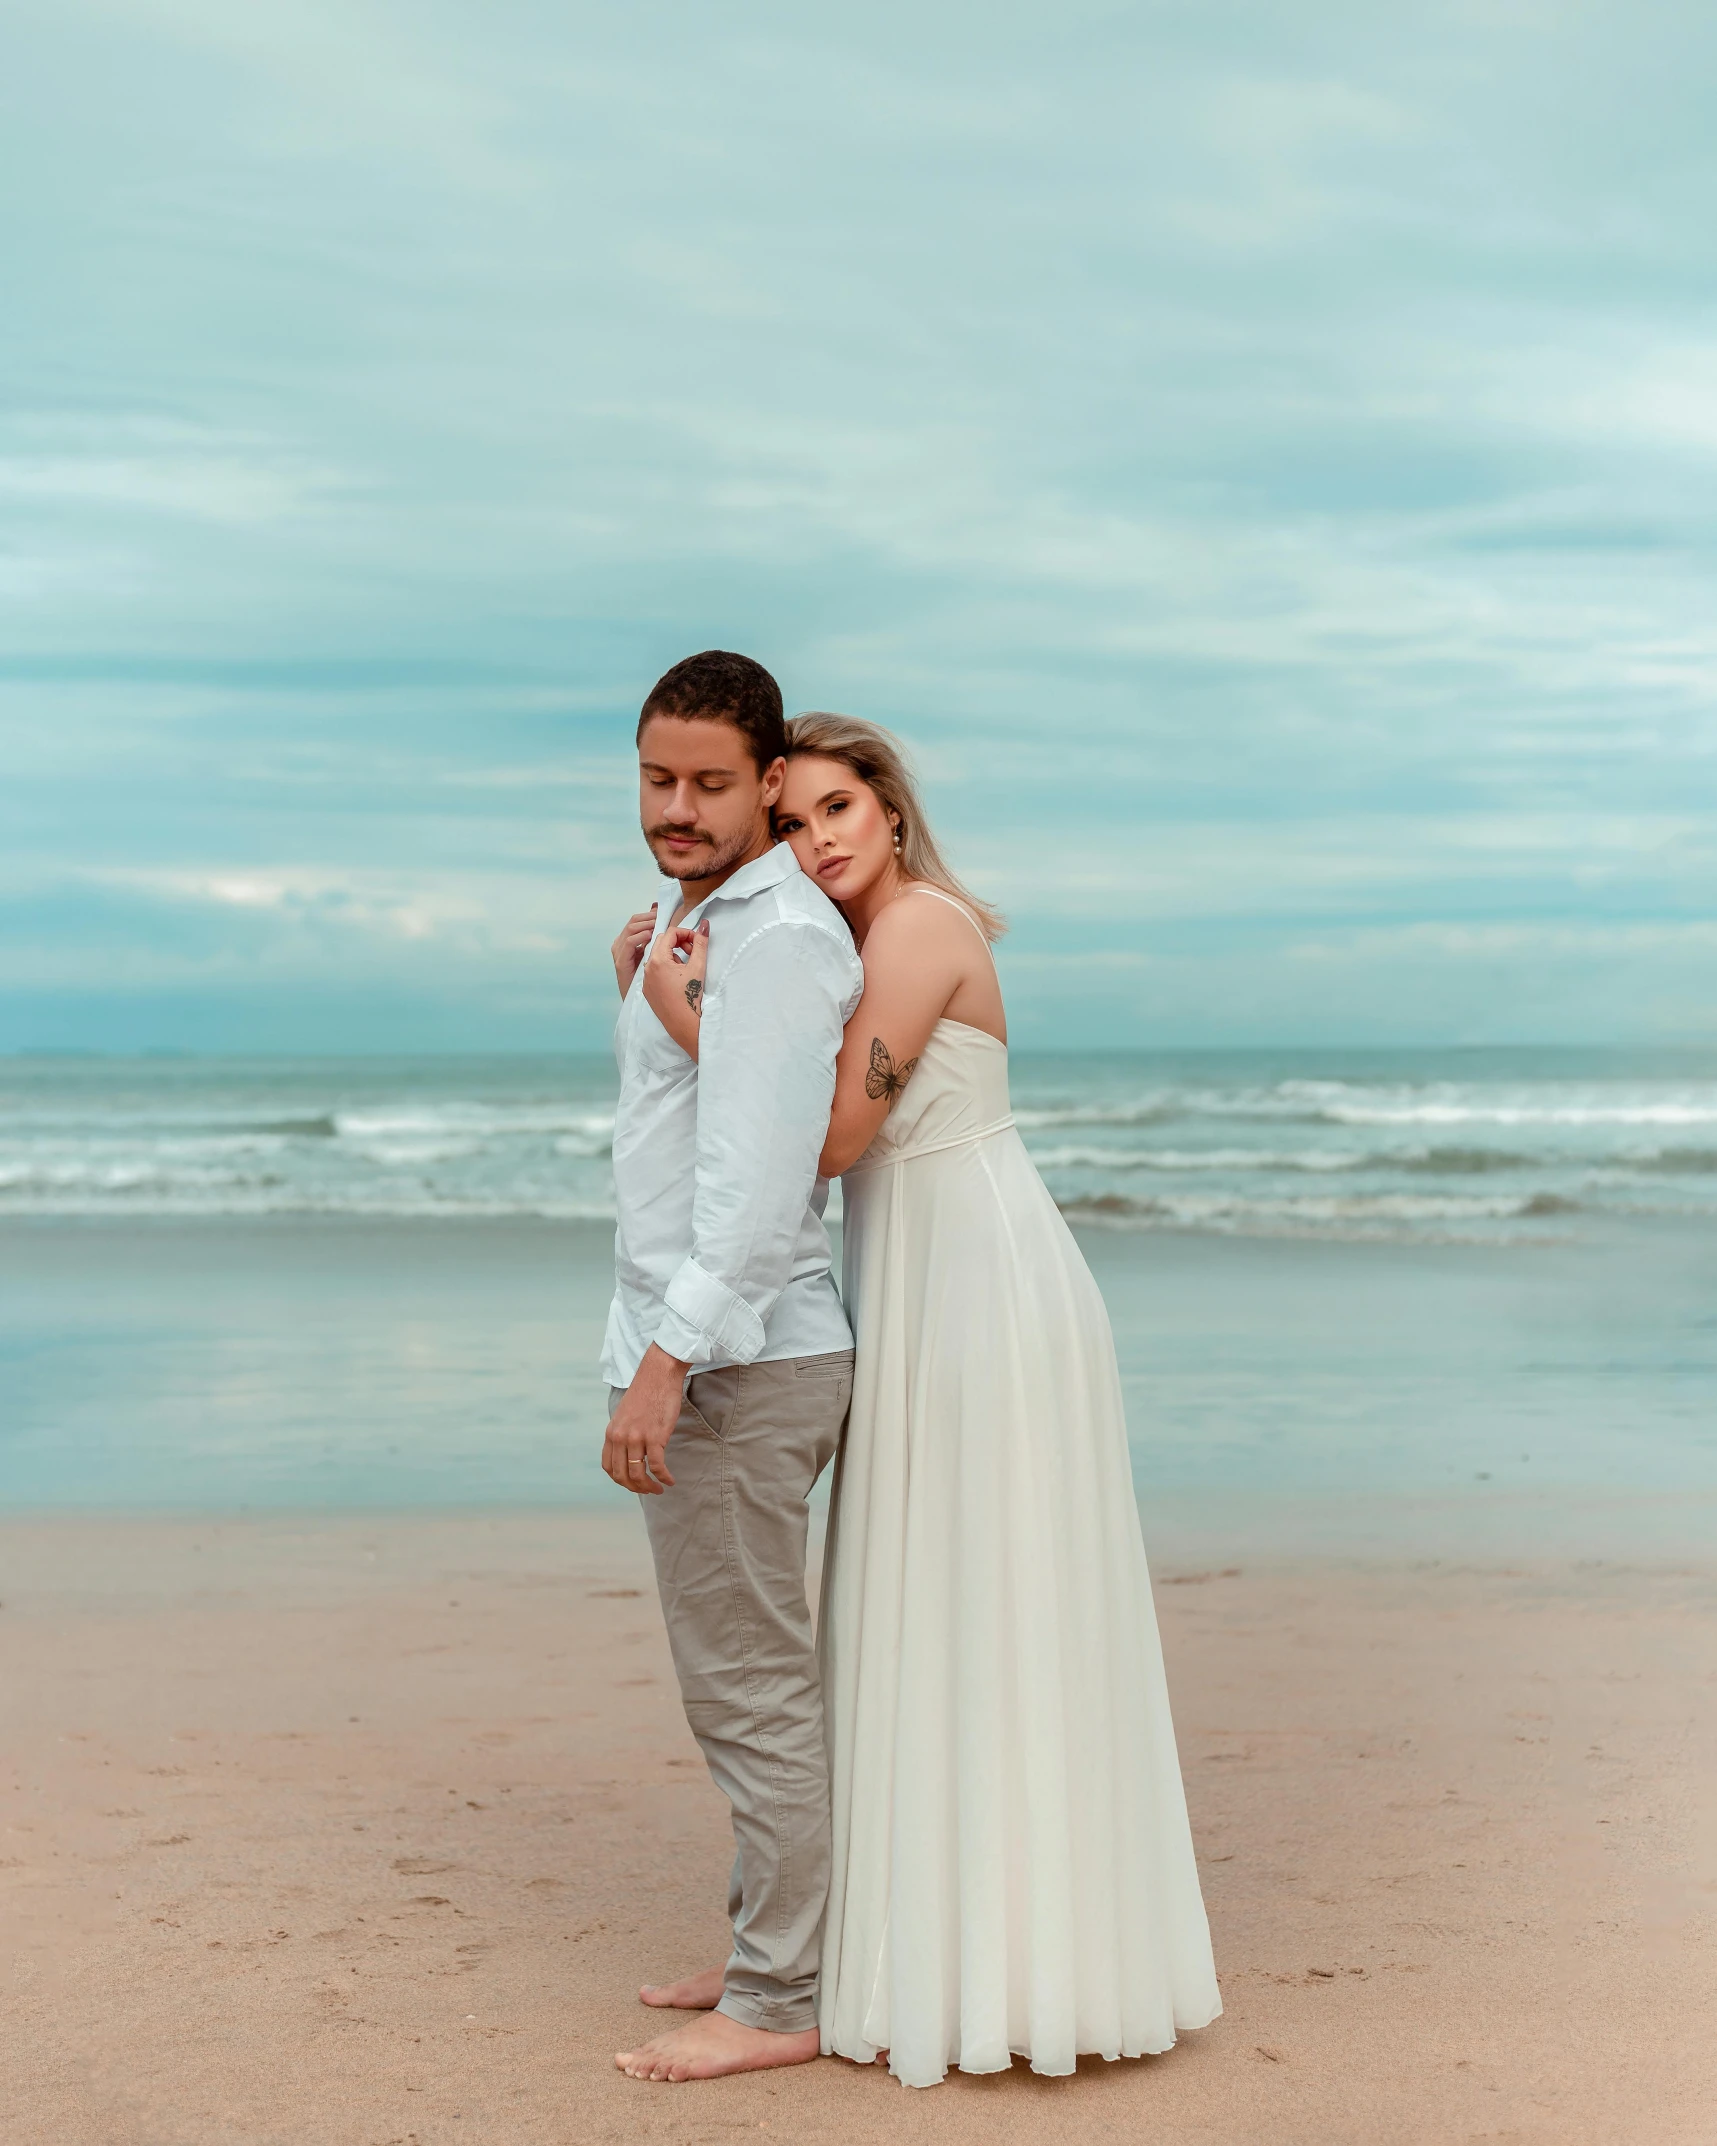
703, 862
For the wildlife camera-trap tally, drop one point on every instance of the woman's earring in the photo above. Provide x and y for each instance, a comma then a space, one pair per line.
897, 838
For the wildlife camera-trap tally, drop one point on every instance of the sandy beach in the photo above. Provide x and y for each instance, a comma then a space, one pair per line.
364, 1831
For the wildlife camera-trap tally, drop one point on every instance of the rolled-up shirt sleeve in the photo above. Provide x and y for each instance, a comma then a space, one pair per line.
766, 1082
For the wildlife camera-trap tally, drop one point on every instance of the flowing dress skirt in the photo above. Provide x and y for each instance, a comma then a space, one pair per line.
1013, 1867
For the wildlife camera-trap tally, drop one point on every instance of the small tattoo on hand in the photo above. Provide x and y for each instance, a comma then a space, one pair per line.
885, 1078
694, 991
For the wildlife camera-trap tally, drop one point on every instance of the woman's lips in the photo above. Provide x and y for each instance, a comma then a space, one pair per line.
833, 864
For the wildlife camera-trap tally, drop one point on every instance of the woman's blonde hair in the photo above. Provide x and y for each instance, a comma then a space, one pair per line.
877, 757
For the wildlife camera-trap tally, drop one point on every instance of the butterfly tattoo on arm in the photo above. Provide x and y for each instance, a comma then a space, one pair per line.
885, 1078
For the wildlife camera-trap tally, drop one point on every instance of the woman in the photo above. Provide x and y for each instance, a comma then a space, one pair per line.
1013, 1870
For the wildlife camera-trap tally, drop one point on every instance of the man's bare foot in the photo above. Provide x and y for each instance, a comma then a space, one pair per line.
697, 1993
710, 2047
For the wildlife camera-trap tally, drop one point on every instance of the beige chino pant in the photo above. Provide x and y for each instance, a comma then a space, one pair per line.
729, 1545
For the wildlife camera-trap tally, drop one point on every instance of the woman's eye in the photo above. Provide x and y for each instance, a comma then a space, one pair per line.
839, 805
788, 827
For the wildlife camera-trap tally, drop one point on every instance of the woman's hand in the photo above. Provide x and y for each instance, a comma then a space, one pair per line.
674, 981
628, 949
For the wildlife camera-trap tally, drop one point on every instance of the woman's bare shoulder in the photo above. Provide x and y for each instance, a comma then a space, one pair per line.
919, 932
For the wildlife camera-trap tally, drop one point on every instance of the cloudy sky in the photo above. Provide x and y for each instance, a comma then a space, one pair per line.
1263, 458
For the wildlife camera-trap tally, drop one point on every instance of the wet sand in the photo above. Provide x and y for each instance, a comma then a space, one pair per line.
364, 1831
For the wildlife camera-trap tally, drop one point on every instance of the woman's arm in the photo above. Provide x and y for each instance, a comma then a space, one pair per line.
913, 965
675, 988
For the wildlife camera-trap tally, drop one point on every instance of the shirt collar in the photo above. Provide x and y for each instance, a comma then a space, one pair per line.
769, 870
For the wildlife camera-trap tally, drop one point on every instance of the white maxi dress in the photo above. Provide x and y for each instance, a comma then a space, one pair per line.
1013, 1869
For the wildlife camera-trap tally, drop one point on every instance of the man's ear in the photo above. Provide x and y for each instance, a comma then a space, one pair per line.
774, 777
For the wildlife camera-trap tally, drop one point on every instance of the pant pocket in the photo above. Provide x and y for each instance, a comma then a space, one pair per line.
712, 1399
693, 1423
836, 1365
826, 1382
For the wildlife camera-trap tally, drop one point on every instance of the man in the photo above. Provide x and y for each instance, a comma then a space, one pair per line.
728, 1355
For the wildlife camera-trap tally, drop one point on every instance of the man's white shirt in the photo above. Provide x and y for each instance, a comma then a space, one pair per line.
720, 1255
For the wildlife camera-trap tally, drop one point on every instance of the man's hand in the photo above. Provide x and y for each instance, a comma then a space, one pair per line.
630, 948
633, 1453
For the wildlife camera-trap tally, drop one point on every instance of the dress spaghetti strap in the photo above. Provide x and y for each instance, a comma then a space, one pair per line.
953, 903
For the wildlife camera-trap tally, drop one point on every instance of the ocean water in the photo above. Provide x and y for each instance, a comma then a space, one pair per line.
1380, 1287
1481, 1146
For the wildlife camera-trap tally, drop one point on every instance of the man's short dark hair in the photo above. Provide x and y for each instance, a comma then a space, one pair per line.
720, 687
